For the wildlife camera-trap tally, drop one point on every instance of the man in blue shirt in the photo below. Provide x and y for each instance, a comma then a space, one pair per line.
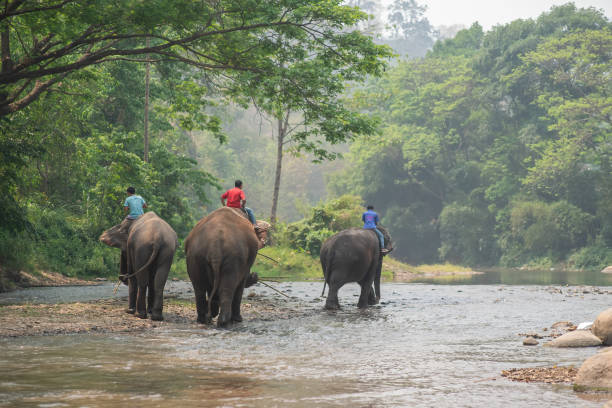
133, 205
370, 221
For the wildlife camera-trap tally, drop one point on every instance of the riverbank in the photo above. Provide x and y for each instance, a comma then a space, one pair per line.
109, 316
47, 278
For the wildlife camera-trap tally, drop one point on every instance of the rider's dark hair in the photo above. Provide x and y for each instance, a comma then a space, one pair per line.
131, 190
370, 207
238, 183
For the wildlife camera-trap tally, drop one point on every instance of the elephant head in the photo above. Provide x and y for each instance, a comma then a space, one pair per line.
388, 240
115, 237
261, 229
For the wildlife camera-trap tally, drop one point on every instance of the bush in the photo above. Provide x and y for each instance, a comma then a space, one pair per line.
542, 230
308, 234
63, 243
592, 257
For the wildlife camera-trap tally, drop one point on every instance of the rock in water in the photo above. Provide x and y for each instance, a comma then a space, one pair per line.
577, 338
595, 374
530, 341
602, 327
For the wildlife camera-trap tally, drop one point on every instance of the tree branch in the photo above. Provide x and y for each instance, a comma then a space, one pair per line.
8, 13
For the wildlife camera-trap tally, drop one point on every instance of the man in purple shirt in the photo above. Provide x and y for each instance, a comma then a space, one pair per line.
370, 221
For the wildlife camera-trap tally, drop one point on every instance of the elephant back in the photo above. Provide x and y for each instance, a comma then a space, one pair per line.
222, 220
152, 227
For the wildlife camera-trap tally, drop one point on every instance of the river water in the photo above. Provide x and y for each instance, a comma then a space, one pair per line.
425, 345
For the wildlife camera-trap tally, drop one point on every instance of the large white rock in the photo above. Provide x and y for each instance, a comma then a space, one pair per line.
602, 327
595, 374
577, 338
607, 269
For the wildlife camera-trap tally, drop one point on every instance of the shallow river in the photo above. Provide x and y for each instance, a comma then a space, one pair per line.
426, 345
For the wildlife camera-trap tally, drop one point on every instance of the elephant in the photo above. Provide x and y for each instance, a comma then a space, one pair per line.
219, 252
147, 250
353, 255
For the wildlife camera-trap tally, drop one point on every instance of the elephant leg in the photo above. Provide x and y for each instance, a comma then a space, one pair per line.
236, 316
372, 298
365, 294
226, 296
201, 305
141, 299
199, 280
225, 313
132, 293
366, 298
332, 296
150, 296
157, 284
377, 279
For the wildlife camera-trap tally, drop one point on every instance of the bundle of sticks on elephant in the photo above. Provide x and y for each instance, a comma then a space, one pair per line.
220, 251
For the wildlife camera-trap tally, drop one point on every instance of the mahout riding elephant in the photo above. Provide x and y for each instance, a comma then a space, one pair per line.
220, 251
353, 255
147, 250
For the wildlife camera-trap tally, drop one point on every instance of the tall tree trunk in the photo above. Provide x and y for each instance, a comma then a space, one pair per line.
282, 132
146, 109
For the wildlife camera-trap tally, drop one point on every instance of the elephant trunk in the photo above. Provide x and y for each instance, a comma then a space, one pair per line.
377, 278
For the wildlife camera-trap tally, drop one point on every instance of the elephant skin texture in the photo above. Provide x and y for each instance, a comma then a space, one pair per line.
147, 250
353, 255
220, 251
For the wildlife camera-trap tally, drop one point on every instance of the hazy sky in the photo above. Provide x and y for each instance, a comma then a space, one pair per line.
491, 12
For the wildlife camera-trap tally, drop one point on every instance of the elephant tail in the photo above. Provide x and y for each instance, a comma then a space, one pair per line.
145, 266
216, 273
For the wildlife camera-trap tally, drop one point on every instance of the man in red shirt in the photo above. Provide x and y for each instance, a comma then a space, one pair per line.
235, 198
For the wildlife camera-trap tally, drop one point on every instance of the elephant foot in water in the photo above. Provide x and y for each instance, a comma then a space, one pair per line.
157, 317
141, 315
237, 318
204, 319
373, 300
331, 305
130, 310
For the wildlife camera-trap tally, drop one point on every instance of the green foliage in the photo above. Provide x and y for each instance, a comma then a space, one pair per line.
595, 256
538, 229
63, 244
324, 221
495, 147
292, 264
466, 42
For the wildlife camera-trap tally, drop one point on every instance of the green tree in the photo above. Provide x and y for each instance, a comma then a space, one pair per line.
313, 116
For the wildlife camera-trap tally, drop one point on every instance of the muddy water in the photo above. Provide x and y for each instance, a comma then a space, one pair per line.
426, 345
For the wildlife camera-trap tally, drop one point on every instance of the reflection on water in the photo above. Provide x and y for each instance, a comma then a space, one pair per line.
426, 345
527, 277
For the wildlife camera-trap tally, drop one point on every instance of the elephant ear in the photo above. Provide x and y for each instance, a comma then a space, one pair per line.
263, 225
388, 240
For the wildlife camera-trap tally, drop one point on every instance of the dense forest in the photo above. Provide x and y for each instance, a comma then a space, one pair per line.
491, 148
495, 148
